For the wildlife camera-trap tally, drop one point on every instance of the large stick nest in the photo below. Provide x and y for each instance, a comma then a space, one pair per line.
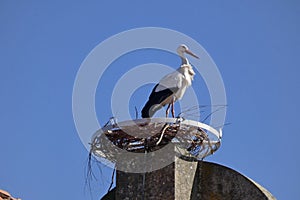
141, 136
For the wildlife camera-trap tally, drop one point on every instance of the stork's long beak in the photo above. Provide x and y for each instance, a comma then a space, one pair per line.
191, 53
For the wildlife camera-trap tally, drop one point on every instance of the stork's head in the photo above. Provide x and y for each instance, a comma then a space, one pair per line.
184, 49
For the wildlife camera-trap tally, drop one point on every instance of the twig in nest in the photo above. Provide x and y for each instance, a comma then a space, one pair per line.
136, 112
162, 133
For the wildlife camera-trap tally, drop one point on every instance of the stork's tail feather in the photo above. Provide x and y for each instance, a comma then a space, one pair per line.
154, 102
150, 109
145, 111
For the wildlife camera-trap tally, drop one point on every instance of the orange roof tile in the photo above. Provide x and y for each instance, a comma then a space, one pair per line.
4, 194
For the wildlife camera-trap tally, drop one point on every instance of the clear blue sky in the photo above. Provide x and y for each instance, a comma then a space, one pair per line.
255, 44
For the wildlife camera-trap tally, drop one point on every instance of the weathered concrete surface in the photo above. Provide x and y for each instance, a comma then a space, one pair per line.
156, 185
184, 174
264, 190
189, 180
216, 182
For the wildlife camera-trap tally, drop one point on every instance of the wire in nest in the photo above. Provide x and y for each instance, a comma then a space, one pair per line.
210, 114
195, 111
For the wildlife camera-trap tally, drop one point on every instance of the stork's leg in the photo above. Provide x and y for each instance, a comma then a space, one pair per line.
173, 110
168, 110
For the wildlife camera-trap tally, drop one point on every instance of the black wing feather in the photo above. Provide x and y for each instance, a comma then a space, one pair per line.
156, 98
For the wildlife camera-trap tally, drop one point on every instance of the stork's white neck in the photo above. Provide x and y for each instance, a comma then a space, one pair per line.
184, 60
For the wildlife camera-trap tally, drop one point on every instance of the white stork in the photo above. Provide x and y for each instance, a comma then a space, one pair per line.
171, 87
